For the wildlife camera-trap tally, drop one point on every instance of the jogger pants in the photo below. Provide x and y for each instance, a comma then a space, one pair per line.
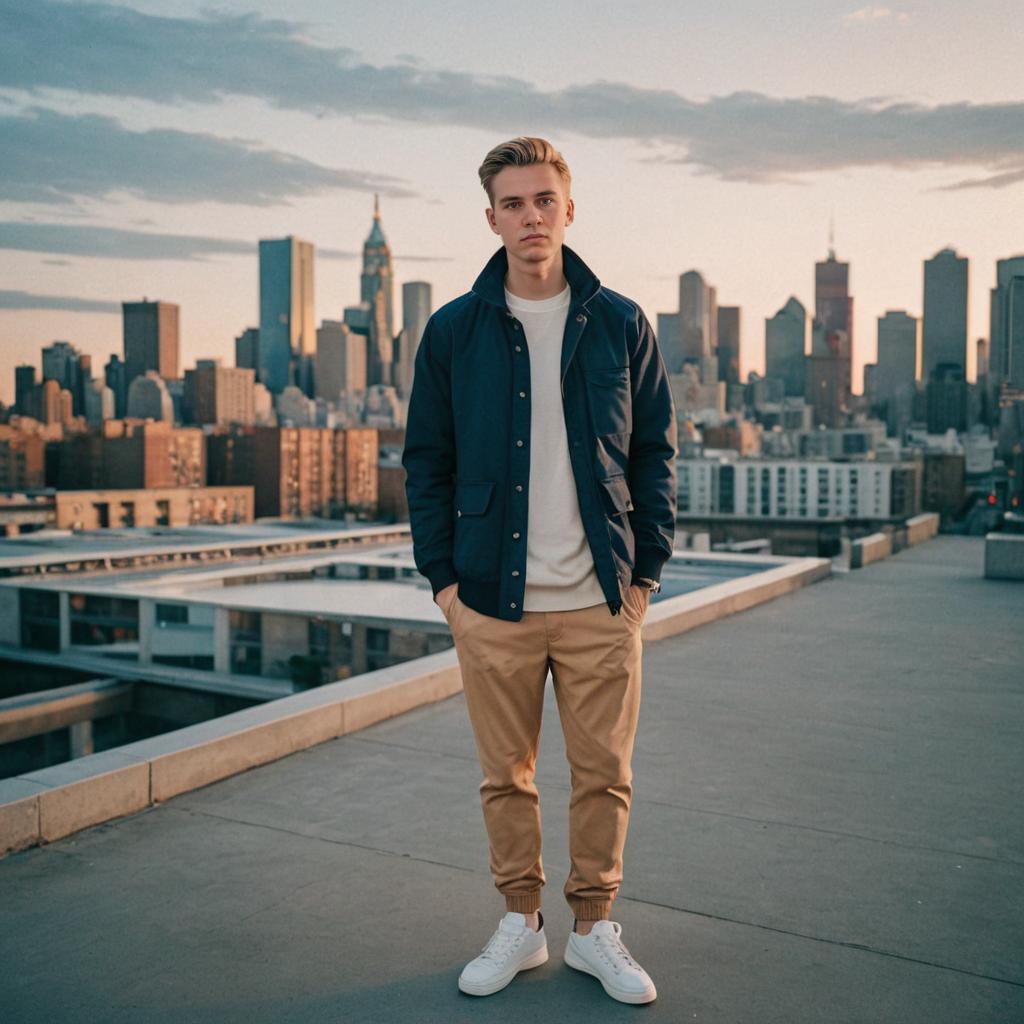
594, 658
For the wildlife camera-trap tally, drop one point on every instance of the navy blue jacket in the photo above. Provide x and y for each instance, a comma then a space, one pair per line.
467, 447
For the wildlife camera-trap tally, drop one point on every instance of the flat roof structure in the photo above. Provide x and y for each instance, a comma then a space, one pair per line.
826, 827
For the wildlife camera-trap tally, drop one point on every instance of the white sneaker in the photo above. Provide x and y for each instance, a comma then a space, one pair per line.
602, 954
514, 947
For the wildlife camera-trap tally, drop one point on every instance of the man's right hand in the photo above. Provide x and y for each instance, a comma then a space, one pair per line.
445, 596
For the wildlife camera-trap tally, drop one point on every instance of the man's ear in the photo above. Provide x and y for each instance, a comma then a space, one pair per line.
570, 211
489, 214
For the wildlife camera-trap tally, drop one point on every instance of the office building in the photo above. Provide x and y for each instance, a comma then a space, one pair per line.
944, 326
286, 330
785, 341
151, 339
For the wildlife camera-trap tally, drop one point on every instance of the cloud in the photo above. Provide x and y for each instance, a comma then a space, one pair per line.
100, 49
117, 243
27, 300
874, 14
57, 158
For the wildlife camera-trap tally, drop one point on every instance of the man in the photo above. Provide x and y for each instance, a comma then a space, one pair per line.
540, 458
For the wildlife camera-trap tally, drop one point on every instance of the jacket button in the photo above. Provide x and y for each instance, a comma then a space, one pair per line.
515, 325
515, 536
519, 487
522, 394
519, 444
519, 348
458, 512
512, 605
580, 317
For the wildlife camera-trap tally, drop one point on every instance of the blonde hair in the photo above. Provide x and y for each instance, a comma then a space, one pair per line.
521, 152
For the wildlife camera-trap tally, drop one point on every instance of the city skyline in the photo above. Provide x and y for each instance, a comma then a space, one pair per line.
748, 202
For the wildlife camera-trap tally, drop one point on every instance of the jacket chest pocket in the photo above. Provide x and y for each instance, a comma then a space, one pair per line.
611, 405
476, 553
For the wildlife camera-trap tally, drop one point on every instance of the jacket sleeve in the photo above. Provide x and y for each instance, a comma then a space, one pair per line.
652, 455
429, 460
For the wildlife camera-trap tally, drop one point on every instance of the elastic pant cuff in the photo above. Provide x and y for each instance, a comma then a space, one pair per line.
590, 910
523, 902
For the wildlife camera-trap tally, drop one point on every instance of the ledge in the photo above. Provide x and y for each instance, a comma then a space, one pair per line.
45, 805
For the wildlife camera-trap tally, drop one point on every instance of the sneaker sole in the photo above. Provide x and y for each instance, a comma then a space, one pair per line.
489, 988
579, 964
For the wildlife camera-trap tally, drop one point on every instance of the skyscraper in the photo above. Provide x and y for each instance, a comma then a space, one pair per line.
785, 338
376, 290
151, 339
1006, 351
287, 330
698, 311
944, 329
830, 365
416, 308
896, 368
247, 349
728, 332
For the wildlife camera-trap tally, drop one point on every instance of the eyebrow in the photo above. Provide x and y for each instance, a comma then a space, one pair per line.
537, 195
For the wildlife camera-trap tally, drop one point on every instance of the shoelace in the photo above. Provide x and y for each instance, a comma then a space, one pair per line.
613, 949
501, 945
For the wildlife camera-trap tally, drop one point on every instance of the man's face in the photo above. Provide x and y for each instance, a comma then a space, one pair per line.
531, 211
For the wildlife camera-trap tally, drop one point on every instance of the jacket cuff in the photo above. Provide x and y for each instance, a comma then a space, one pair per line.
648, 565
440, 575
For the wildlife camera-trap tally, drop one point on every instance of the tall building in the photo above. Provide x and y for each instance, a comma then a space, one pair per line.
247, 349
416, 309
698, 311
944, 327
287, 331
728, 352
340, 361
376, 293
115, 373
1006, 334
24, 386
830, 364
151, 339
670, 340
893, 388
785, 339
220, 395
71, 369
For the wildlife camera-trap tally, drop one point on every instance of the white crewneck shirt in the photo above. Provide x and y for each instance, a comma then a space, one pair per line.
560, 573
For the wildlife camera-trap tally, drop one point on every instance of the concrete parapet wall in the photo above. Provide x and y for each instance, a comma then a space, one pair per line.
1004, 556
872, 548
45, 805
922, 527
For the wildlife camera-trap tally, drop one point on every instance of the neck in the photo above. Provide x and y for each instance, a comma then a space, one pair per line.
543, 280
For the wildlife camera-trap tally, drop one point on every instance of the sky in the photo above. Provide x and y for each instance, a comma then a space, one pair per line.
146, 148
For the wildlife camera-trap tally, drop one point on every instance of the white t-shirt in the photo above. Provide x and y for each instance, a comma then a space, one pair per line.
560, 572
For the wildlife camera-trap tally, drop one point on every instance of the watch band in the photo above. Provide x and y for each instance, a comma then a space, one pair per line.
652, 585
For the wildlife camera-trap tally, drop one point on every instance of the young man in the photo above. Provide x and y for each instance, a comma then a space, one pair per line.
540, 457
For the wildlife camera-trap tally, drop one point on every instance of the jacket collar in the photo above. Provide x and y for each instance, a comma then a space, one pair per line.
490, 285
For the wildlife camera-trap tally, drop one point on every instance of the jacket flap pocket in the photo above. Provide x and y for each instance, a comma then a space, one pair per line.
617, 490
611, 376
472, 498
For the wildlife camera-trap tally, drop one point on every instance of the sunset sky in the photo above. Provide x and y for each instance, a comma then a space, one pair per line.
146, 148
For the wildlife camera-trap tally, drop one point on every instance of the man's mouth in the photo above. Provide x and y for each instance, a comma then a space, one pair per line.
533, 238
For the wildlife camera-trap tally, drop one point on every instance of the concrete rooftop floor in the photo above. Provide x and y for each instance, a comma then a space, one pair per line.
826, 827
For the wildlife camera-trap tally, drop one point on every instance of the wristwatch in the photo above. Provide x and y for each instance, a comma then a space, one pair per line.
652, 585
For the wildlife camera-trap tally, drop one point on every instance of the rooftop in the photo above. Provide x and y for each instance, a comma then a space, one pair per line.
826, 827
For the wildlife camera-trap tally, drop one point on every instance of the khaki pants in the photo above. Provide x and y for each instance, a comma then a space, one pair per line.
594, 658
